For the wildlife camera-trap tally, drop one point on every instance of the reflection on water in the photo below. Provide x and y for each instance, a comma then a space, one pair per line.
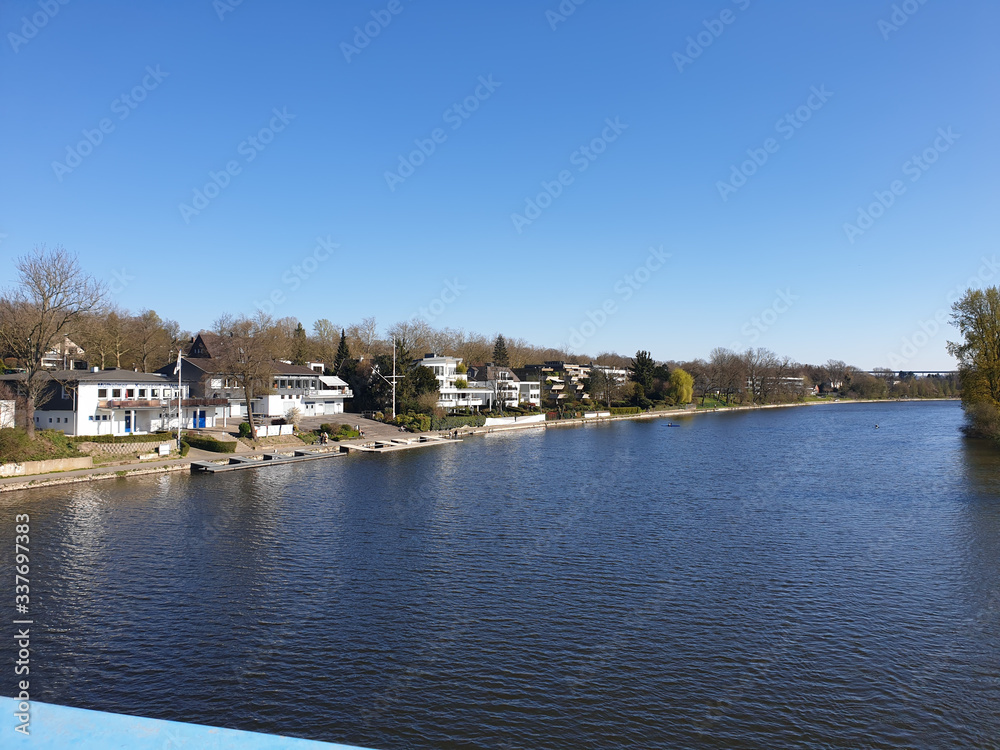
783, 578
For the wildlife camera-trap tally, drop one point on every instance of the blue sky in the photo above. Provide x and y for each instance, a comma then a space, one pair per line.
694, 91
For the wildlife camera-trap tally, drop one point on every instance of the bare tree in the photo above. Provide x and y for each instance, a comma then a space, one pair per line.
248, 346
52, 293
153, 339
326, 336
363, 338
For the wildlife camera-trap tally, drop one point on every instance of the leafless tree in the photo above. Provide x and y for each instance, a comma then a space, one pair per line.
51, 294
248, 346
363, 338
153, 339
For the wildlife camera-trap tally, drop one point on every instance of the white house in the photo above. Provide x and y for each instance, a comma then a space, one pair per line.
305, 388
118, 402
7, 413
505, 386
64, 356
450, 396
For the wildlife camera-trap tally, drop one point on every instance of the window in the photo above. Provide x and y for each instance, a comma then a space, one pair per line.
154, 392
167, 393
90, 418
102, 392
116, 393
142, 393
130, 393
50, 420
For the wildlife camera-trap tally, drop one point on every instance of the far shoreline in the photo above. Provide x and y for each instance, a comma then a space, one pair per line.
93, 475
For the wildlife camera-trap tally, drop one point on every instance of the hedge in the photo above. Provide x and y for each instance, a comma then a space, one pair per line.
453, 423
210, 444
620, 410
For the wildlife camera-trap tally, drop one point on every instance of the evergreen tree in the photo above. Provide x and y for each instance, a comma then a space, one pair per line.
641, 370
500, 356
343, 354
300, 346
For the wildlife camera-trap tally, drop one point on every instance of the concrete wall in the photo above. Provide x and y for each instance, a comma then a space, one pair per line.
528, 419
44, 467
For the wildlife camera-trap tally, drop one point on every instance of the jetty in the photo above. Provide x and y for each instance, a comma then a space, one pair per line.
237, 463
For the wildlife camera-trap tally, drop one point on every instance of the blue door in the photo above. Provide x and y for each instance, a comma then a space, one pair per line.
128, 423
200, 418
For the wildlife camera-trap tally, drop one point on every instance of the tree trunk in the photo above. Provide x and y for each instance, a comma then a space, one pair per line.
248, 395
29, 416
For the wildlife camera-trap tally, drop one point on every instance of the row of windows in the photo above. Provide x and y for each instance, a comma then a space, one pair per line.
130, 393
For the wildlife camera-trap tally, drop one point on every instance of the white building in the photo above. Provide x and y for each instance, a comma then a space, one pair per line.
505, 386
7, 413
450, 396
119, 402
64, 356
305, 388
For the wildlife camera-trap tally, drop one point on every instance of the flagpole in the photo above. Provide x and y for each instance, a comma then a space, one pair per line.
180, 413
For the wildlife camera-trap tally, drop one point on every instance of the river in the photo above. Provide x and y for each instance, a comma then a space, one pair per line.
781, 578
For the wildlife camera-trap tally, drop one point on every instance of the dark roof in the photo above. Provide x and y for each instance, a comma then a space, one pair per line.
102, 376
489, 371
205, 345
280, 368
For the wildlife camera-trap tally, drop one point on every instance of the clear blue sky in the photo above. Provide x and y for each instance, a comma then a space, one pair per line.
777, 242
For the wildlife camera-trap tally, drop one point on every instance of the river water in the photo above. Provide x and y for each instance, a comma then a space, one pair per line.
784, 578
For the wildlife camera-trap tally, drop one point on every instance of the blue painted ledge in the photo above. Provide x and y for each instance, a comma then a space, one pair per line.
61, 727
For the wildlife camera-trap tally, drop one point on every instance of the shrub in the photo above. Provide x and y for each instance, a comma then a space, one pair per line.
330, 429
453, 423
621, 410
210, 444
415, 422
982, 420
184, 448
245, 431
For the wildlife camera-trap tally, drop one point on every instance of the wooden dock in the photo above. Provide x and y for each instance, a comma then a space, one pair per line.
398, 444
269, 459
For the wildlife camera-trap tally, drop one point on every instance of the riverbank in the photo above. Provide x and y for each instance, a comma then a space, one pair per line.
402, 441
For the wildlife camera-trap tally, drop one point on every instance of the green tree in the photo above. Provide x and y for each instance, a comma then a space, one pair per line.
641, 371
681, 386
300, 346
500, 356
977, 317
343, 354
